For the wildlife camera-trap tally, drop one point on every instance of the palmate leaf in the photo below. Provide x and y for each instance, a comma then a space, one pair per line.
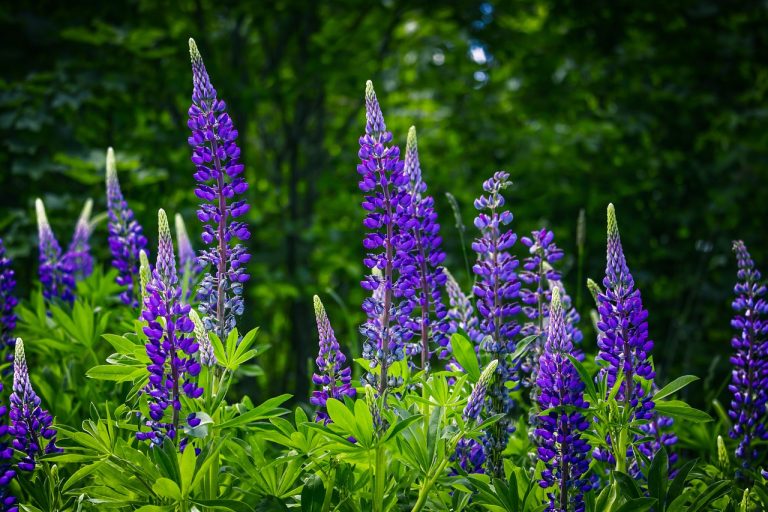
268, 409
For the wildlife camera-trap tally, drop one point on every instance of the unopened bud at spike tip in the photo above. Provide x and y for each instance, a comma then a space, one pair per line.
594, 289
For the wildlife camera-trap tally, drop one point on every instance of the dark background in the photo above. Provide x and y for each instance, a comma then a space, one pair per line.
656, 106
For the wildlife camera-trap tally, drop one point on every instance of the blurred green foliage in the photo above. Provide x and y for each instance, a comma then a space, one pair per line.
656, 106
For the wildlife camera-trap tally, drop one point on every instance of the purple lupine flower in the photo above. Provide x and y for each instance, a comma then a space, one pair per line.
541, 277
189, 265
470, 454
8, 304
170, 346
30, 423
7, 473
55, 270
749, 377
423, 277
79, 251
497, 289
623, 328
388, 243
219, 180
558, 430
662, 434
333, 377
126, 238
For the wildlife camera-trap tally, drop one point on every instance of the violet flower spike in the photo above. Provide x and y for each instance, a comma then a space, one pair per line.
31, 425
189, 265
218, 173
55, 270
8, 303
388, 243
79, 251
496, 290
126, 238
333, 377
422, 278
749, 377
623, 328
171, 348
560, 444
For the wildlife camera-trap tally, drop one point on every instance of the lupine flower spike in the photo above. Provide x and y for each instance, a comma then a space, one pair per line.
207, 357
55, 271
749, 378
126, 237
497, 289
189, 265
469, 453
461, 315
219, 181
333, 376
30, 427
170, 347
79, 251
561, 391
8, 304
388, 243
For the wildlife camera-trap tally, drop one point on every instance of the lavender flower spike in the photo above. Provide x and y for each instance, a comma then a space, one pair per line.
623, 328
30, 423
55, 271
497, 289
749, 378
79, 251
8, 304
218, 174
170, 347
188, 263
423, 278
558, 432
333, 377
388, 243
126, 238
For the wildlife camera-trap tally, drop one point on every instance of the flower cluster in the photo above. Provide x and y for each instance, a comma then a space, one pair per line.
333, 377
558, 431
469, 453
540, 278
423, 277
79, 251
55, 270
189, 265
749, 378
170, 347
388, 242
8, 304
30, 426
126, 238
497, 289
623, 328
218, 174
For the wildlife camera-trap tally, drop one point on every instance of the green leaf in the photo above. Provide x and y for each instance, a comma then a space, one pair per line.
585, 377
398, 427
268, 409
637, 505
658, 476
522, 347
342, 416
713, 492
167, 488
678, 483
120, 343
115, 372
674, 386
680, 409
464, 352
312, 495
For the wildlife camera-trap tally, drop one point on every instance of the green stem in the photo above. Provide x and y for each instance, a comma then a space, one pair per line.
427, 486
329, 488
379, 480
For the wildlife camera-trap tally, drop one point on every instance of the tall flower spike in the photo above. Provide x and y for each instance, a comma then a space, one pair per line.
55, 271
171, 348
126, 237
423, 277
333, 377
188, 263
623, 328
79, 251
219, 180
30, 423
207, 357
8, 304
497, 289
561, 447
749, 377
388, 242
470, 454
